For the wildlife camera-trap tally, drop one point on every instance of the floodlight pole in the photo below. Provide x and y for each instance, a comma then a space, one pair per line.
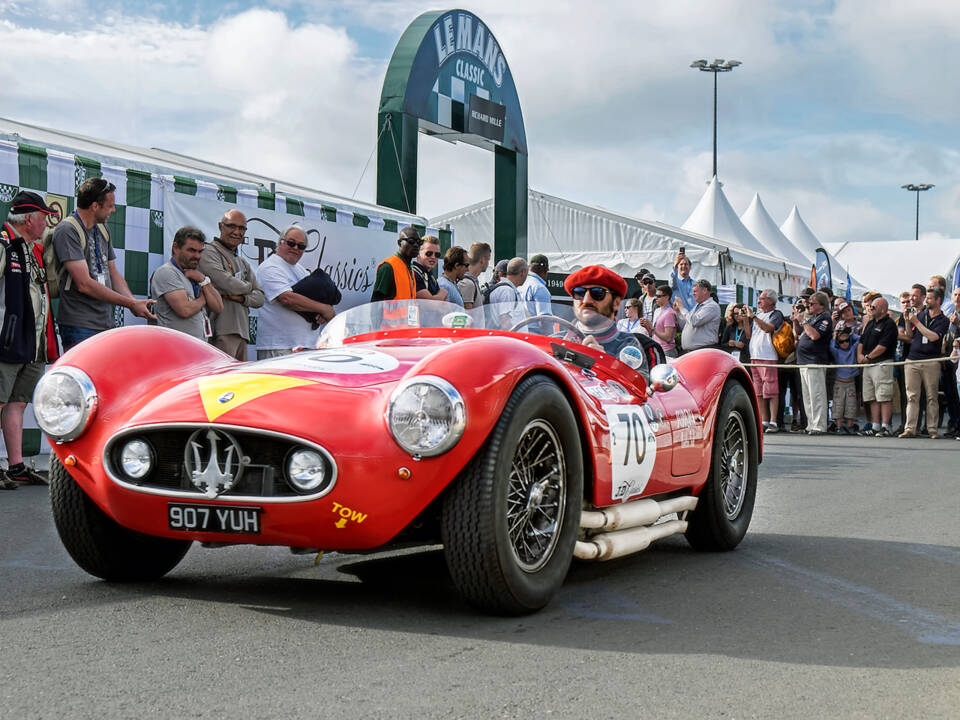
717, 66
917, 189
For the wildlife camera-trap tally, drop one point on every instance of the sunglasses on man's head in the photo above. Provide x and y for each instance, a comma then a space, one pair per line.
647, 281
597, 293
295, 244
432, 253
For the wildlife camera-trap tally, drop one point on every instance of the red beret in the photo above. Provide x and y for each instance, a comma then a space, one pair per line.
596, 275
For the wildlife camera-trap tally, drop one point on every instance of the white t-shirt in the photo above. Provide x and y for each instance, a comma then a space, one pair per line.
761, 343
277, 327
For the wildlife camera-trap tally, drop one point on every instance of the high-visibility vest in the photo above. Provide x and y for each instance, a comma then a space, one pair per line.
406, 287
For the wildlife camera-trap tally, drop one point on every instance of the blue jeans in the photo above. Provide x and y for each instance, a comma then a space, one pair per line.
71, 335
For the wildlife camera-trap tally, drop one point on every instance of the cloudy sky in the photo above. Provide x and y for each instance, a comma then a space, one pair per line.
837, 104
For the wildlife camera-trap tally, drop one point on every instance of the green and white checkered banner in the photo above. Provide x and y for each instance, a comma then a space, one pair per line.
348, 245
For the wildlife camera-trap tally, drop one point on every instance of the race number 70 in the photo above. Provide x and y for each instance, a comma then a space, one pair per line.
636, 436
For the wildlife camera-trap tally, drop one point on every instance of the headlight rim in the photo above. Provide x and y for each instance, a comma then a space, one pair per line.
90, 399
457, 427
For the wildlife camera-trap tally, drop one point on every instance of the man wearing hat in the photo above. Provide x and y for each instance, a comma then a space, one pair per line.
534, 289
395, 279
24, 313
597, 293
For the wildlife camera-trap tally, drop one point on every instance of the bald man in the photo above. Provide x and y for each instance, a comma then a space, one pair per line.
506, 295
877, 345
231, 276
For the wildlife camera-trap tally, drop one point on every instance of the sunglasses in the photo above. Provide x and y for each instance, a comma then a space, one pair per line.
295, 244
597, 293
647, 282
432, 253
660, 295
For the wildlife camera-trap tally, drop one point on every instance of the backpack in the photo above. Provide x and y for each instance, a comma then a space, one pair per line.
783, 340
52, 265
488, 289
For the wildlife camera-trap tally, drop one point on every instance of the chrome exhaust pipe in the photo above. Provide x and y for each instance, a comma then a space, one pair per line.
634, 513
608, 546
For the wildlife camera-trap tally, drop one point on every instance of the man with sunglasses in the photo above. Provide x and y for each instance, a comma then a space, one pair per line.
597, 293
231, 276
280, 327
395, 279
428, 287
92, 284
24, 311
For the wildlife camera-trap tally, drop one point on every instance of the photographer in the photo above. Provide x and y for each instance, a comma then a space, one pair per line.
764, 324
812, 326
925, 331
736, 335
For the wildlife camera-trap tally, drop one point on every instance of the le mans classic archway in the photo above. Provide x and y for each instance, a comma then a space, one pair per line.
449, 78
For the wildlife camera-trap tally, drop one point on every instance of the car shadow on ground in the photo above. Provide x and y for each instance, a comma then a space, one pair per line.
782, 598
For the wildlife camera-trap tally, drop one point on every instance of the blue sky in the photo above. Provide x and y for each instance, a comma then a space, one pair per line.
837, 104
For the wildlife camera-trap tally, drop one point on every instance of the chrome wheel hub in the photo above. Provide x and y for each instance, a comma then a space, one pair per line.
733, 464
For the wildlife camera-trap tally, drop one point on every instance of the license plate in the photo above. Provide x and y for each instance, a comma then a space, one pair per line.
214, 518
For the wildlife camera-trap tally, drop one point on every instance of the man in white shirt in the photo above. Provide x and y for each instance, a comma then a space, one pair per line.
766, 322
507, 296
280, 328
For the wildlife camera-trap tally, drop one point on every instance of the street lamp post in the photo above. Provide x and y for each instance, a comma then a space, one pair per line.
717, 66
917, 189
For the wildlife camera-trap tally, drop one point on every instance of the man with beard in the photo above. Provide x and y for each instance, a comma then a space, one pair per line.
184, 295
597, 294
395, 279
233, 278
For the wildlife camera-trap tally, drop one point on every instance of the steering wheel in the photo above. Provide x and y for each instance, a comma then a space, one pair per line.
551, 318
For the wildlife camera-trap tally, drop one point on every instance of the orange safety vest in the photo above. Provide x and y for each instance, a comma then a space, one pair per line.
406, 289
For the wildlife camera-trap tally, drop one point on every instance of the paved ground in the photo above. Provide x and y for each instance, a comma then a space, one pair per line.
843, 601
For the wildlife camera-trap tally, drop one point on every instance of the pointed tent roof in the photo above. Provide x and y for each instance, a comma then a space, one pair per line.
763, 227
797, 232
716, 218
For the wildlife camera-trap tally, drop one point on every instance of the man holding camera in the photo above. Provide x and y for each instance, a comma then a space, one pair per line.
813, 327
681, 282
924, 330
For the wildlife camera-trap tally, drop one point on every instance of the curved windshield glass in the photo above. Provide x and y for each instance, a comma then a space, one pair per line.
554, 319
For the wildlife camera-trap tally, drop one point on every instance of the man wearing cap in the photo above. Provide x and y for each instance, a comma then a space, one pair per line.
597, 293
24, 309
92, 284
236, 282
534, 289
700, 325
395, 279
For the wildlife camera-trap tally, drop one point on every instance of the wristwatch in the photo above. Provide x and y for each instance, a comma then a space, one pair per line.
205, 281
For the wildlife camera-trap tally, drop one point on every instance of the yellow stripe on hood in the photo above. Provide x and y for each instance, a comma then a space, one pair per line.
222, 393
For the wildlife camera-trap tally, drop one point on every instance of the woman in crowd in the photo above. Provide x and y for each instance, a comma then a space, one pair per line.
736, 335
631, 323
663, 329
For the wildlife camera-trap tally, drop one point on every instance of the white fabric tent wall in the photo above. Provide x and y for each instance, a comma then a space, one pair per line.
573, 235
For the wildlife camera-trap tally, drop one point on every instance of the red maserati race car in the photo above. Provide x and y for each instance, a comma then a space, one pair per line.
507, 440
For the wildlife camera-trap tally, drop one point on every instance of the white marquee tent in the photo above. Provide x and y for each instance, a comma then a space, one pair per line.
757, 220
798, 233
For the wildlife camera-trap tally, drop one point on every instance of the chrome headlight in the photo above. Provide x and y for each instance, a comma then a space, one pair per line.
136, 459
306, 470
426, 415
64, 403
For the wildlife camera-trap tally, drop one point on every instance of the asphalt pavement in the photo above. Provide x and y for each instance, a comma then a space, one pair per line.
842, 601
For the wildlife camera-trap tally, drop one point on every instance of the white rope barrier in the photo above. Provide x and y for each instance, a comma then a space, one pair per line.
891, 363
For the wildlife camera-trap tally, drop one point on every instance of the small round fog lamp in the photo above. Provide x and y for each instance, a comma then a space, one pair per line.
136, 459
306, 470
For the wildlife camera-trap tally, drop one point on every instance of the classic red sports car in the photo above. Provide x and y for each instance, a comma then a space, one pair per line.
517, 449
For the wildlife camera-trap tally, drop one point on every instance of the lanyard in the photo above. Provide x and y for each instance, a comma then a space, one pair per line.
738, 335
96, 243
196, 286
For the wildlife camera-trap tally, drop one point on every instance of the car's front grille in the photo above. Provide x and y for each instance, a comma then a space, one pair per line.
255, 459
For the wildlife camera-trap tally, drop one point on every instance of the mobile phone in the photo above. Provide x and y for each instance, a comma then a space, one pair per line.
683, 251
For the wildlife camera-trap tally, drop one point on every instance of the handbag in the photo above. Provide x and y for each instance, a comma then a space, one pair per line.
783, 340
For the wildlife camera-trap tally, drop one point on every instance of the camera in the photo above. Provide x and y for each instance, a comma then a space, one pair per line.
800, 306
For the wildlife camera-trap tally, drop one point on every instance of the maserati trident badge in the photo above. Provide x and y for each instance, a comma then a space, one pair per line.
214, 461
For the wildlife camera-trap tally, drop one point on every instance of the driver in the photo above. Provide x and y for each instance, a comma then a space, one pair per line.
597, 293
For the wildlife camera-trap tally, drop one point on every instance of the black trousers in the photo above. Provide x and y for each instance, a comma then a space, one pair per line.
790, 377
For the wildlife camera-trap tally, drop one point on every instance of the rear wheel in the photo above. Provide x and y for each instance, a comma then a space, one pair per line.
101, 546
511, 520
726, 502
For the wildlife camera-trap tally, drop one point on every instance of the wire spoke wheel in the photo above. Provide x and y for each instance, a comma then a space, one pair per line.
535, 495
733, 453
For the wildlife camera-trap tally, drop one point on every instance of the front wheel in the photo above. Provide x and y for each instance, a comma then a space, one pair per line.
511, 520
101, 546
726, 502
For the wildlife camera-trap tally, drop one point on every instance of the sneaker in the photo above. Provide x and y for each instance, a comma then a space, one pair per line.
907, 434
795, 428
933, 436
6, 483
772, 428
816, 432
868, 431
884, 432
23, 475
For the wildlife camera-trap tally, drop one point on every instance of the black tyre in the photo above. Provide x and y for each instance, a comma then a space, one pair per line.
101, 546
511, 520
726, 501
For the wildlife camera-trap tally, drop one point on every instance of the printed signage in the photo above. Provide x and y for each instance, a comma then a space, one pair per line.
485, 118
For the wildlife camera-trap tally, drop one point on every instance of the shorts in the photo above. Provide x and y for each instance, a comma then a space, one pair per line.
765, 378
845, 403
18, 380
878, 383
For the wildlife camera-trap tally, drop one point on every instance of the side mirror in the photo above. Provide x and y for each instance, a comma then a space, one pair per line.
663, 377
